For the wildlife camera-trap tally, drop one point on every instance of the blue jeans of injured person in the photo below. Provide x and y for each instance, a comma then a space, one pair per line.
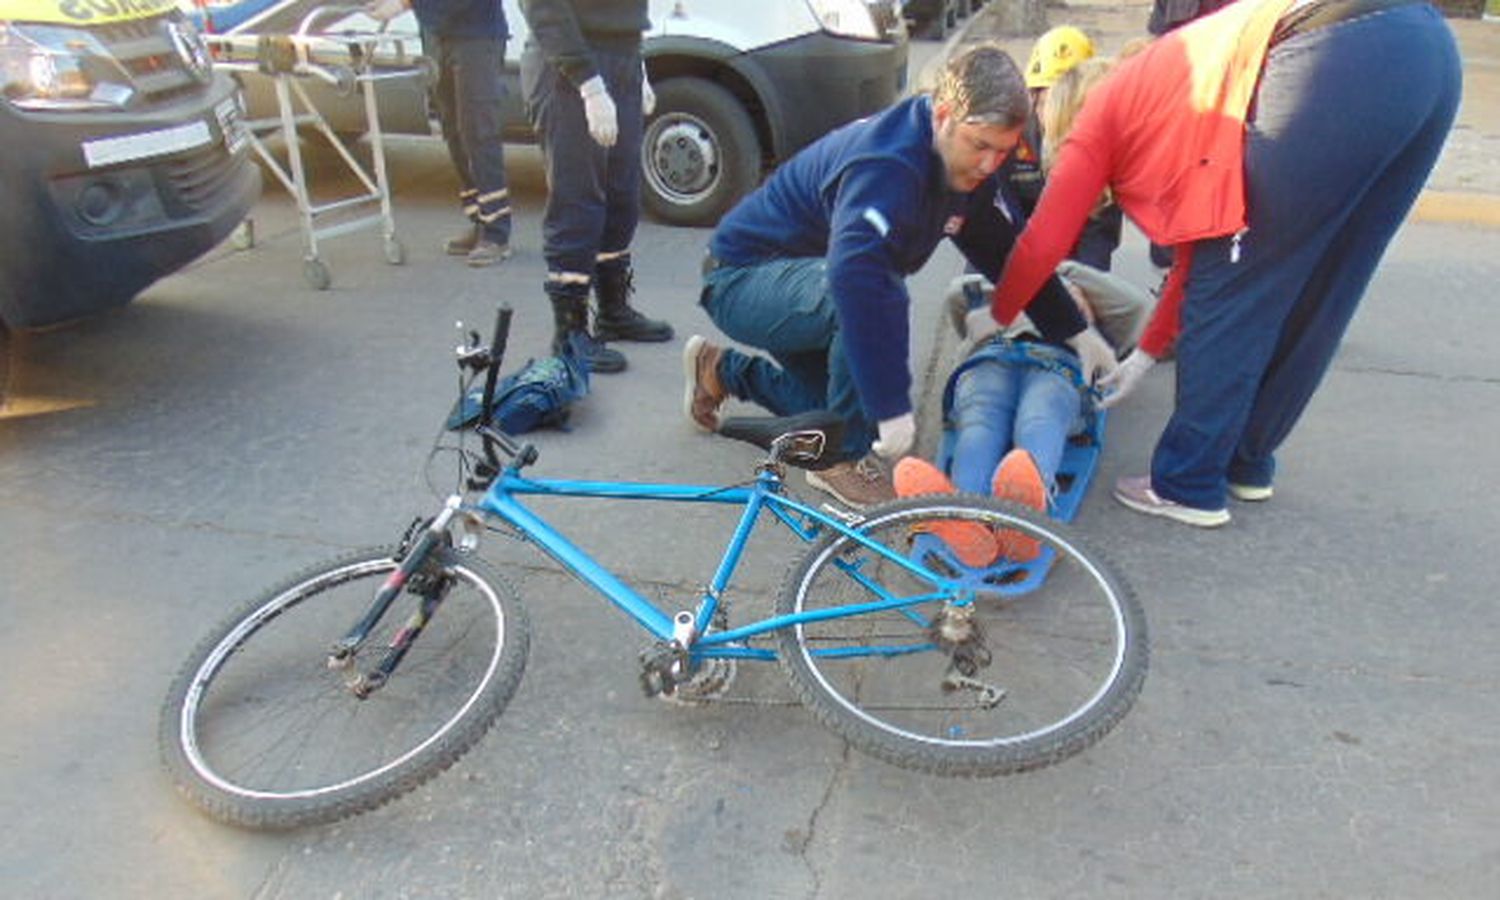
999, 405
1260, 326
784, 307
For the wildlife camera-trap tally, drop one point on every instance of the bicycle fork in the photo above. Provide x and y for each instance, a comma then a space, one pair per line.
409, 574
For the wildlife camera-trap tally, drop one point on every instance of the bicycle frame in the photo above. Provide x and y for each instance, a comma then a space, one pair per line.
763, 496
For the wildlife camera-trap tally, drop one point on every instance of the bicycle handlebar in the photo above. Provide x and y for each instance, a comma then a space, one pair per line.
496, 353
488, 361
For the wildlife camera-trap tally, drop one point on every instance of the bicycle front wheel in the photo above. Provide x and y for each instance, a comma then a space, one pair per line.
258, 731
975, 664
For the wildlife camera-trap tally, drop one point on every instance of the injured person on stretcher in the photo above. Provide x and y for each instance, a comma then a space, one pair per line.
1019, 422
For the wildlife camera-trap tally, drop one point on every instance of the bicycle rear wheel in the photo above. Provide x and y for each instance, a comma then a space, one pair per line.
258, 731
992, 668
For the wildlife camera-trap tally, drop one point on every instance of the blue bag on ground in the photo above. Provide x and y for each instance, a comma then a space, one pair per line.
535, 397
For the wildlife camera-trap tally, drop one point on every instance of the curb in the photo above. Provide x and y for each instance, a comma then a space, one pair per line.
1457, 208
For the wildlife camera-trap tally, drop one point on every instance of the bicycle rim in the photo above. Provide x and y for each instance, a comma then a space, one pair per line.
264, 721
1060, 656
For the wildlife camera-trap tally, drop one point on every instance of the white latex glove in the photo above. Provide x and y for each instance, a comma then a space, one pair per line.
385, 10
979, 325
896, 436
1095, 354
648, 96
1123, 380
599, 109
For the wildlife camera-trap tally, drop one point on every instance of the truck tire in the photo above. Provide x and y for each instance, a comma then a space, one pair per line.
699, 154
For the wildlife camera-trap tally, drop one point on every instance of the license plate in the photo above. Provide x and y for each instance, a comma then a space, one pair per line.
231, 113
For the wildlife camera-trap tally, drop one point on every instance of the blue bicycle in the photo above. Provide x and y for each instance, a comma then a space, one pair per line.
354, 682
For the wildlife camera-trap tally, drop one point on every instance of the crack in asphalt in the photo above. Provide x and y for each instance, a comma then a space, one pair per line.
811, 834
1429, 376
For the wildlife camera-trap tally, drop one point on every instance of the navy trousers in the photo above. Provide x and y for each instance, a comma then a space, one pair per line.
593, 192
1346, 125
468, 96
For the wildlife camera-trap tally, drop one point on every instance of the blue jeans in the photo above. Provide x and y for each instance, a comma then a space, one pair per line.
784, 307
593, 192
1348, 121
468, 95
1000, 405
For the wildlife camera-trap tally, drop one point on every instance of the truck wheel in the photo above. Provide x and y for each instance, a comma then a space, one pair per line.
316, 274
4, 364
699, 153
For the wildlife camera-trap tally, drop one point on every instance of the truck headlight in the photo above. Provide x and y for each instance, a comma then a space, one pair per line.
54, 67
850, 18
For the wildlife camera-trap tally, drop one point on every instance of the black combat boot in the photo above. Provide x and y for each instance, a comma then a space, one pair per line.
617, 320
570, 313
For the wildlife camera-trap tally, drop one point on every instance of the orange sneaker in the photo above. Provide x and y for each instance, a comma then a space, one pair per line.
1018, 480
972, 543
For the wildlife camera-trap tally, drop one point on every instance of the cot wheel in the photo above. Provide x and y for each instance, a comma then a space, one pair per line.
316, 274
243, 236
258, 730
995, 667
395, 251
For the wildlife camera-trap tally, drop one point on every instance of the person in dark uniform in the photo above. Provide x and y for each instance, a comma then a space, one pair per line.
1055, 53
1055, 59
466, 40
810, 267
1169, 14
587, 96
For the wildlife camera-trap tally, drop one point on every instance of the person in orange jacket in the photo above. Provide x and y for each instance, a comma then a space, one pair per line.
1277, 145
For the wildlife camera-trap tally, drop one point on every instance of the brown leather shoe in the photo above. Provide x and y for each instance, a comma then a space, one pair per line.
703, 394
856, 483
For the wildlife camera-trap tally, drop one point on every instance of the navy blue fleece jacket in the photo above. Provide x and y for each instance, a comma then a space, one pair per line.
462, 18
873, 199
566, 30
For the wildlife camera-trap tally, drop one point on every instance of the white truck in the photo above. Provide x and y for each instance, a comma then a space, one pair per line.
740, 86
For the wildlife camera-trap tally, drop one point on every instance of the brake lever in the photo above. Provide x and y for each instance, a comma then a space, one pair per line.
471, 354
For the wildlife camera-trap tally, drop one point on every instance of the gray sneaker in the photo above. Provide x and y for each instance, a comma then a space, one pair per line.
858, 483
1250, 493
487, 253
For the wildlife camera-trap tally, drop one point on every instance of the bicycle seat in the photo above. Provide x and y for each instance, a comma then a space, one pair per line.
808, 440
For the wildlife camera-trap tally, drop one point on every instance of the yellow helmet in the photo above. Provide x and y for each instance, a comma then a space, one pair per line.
1054, 53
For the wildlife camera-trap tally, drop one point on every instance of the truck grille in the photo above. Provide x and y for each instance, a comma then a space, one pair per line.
199, 177
147, 51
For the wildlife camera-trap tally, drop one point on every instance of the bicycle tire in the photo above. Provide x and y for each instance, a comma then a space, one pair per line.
252, 742
1039, 621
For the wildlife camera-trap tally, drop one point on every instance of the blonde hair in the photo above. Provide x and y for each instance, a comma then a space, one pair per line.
1064, 101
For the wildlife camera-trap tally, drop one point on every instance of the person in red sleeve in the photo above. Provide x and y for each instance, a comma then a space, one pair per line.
1276, 145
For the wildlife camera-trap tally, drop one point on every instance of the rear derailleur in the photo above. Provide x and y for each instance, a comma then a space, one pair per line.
957, 633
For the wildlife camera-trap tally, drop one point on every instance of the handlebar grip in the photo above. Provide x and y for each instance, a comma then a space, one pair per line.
497, 354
